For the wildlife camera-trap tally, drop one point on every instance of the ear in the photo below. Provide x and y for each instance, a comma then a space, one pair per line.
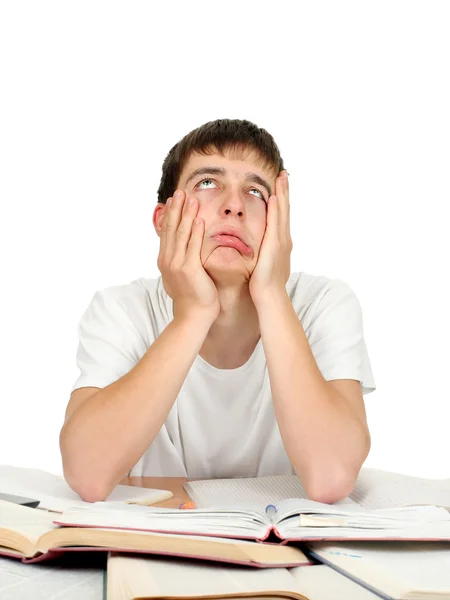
158, 215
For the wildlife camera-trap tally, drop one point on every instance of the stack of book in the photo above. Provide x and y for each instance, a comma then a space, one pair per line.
389, 539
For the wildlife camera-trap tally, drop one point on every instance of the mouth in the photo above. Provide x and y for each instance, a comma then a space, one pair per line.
230, 240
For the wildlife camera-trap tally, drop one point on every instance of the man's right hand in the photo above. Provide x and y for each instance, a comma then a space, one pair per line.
184, 277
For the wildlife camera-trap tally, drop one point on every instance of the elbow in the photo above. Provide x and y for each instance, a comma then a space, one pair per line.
330, 488
91, 487
88, 490
327, 493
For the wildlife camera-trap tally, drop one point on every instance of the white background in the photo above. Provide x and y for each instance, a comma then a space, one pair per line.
356, 95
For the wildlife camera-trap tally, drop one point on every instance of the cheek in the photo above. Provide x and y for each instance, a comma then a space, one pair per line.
259, 232
261, 236
201, 203
203, 211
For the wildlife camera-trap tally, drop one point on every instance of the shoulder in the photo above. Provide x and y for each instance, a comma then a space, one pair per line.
129, 297
141, 304
312, 293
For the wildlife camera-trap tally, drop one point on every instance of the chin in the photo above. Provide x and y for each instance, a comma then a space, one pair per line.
226, 264
225, 257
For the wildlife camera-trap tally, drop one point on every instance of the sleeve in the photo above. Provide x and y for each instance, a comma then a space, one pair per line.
109, 343
336, 337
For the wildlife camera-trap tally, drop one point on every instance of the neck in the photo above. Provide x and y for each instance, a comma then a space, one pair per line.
234, 334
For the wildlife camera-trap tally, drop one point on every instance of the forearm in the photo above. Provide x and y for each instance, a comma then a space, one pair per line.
324, 439
107, 435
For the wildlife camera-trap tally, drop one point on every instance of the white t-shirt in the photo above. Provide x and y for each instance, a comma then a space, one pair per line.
222, 423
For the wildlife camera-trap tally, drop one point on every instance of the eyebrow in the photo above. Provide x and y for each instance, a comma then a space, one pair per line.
249, 176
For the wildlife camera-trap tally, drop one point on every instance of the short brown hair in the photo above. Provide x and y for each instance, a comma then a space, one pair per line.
234, 135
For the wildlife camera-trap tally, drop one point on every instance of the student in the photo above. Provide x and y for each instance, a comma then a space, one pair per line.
228, 364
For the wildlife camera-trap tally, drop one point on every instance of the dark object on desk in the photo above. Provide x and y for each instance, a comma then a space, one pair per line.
20, 500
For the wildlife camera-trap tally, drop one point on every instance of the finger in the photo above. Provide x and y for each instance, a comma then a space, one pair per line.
287, 214
273, 217
185, 229
173, 221
288, 223
196, 241
162, 233
282, 192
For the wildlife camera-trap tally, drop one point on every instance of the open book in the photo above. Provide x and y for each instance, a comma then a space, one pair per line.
30, 534
80, 577
132, 578
295, 519
373, 489
400, 571
54, 493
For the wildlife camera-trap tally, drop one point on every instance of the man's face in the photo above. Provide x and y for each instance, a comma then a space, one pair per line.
232, 199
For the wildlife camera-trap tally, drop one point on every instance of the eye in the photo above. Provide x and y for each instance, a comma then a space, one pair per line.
261, 195
203, 181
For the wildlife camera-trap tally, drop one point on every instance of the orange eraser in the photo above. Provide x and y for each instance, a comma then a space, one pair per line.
188, 505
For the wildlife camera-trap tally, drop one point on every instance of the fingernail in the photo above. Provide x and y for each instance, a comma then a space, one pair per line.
191, 201
177, 194
169, 202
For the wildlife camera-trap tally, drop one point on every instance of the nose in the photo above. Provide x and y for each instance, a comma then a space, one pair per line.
234, 204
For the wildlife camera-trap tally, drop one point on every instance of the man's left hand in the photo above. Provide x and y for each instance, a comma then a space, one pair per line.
273, 266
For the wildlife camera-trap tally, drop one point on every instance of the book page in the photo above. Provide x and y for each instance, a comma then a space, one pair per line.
150, 578
296, 506
29, 522
383, 489
321, 582
391, 568
234, 523
300, 519
59, 579
374, 489
256, 493
55, 494
178, 578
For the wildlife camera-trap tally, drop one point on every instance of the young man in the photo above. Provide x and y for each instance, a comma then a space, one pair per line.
228, 364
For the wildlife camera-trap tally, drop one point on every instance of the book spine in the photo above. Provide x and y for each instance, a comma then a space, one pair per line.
267, 534
250, 562
278, 534
50, 555
12, 554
